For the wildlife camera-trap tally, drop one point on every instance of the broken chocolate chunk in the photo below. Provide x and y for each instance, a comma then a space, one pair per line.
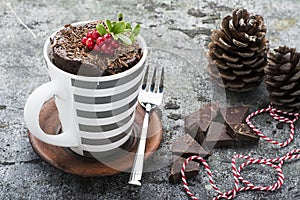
191, 170
197, 123
234, 114
192, 127
207, 114
217, 136
186, 146
244, 133
230, 132
219, 118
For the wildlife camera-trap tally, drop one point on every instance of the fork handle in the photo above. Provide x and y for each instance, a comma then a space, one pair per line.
137, 167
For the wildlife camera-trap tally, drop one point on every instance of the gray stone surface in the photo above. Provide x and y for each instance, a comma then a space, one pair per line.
177, 31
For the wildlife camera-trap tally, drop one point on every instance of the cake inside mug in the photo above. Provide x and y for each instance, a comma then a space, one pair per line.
98, 48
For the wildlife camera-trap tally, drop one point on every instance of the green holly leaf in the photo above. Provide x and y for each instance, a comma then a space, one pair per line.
124, 38
116, 37
127, 31
109, 25
134, 33
101, 29
120, 17
119, 27
119, 30
136, 30
131, 37
128, 26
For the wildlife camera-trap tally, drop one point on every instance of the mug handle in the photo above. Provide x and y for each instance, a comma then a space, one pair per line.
32, 110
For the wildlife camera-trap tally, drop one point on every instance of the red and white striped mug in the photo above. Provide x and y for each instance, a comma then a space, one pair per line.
96, 113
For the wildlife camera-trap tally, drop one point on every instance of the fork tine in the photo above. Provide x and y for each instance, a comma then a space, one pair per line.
153, 80
162, 79
145, 78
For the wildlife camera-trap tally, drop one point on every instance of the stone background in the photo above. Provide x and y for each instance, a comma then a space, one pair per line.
177, 31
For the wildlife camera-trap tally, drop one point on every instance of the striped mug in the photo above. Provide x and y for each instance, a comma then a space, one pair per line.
96, 113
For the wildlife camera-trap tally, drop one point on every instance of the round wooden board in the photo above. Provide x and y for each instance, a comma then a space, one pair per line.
70, 162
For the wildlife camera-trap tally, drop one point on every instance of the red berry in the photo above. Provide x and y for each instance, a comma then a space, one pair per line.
104, 48
83, 40
90, 43
89, 34
114, 44
100, 40
97, 48
95, 35
109, 40
107, 36
109, 50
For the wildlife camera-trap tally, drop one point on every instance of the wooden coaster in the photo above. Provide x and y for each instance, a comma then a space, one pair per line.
70, 162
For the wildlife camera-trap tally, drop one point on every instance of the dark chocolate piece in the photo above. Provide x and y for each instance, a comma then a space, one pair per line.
192, 127
244, 133
230, 132
207, 114
191, 170
217, 136
186, 146
197, 123
234, 114
219, 118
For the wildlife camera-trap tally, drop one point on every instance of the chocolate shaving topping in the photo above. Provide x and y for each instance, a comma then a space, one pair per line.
70, 55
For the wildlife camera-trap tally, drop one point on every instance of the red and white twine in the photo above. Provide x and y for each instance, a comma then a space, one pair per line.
275, 114
275, 163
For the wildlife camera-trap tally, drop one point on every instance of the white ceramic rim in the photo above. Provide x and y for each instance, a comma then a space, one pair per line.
46, 51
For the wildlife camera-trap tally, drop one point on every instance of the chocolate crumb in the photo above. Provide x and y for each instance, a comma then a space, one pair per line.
171, 105
279, 125
174, 116
3, 107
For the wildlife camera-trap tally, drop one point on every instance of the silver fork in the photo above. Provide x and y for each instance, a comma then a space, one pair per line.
150, 96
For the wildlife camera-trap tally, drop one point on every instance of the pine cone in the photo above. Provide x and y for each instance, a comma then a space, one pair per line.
237, 52
282, 78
